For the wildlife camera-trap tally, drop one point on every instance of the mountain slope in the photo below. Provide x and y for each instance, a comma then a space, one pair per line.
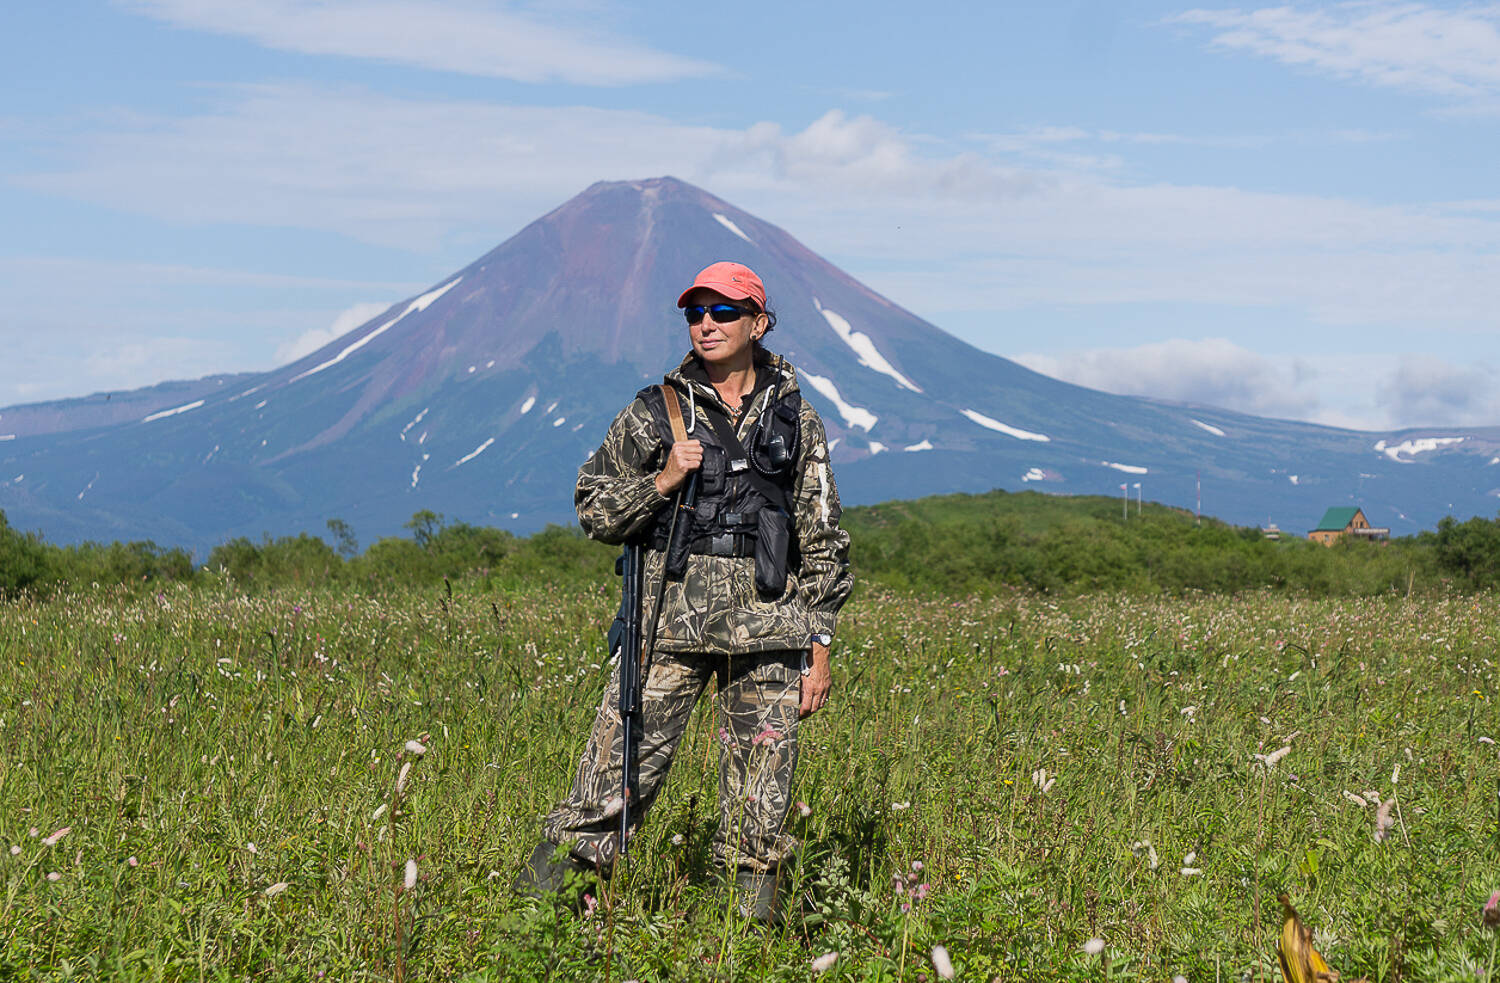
479, 397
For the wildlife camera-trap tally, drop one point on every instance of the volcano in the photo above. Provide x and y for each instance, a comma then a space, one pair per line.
479, 398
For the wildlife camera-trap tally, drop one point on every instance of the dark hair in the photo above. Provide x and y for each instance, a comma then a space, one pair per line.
770, 316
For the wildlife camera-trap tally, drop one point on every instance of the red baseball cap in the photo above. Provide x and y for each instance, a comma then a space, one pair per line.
734, 280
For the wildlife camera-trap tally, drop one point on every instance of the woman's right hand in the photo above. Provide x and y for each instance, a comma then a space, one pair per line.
686, 457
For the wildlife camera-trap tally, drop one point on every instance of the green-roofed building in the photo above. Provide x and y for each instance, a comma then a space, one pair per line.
1344, 521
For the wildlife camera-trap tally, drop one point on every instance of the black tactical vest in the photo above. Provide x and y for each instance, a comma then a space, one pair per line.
737, 479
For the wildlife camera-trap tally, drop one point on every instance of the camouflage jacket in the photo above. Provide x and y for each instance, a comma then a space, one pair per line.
715, 608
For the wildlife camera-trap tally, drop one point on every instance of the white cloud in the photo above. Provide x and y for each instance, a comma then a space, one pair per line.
407, 172
1413, 46
315, 338
472, 38
1214, 371
1360, 391
1426, 391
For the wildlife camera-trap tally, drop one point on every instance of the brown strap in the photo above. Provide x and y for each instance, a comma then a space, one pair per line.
674, 412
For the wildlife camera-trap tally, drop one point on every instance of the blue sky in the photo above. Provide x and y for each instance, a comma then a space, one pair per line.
1288, 210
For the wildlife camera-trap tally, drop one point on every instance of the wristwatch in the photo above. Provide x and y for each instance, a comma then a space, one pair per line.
822, 638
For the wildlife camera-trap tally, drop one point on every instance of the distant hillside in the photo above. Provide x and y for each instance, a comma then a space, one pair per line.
945, 545
999, 540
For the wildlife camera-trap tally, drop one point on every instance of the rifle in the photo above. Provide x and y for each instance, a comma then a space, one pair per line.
634, 655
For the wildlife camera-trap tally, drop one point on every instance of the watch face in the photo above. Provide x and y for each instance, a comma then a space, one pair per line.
823, 638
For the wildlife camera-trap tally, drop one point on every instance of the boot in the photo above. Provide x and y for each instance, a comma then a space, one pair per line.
758, 896
554, 873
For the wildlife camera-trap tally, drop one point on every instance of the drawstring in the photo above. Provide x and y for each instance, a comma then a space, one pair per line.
692, 408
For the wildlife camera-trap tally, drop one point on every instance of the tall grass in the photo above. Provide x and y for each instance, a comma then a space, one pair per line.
1008, 777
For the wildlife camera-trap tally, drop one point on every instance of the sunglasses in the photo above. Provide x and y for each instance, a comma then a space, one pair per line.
721, 313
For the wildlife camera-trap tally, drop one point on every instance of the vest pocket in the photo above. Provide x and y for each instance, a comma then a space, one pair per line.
773, 546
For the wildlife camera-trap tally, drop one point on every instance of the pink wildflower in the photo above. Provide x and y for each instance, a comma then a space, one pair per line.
1492, 911
52, 840
766, 737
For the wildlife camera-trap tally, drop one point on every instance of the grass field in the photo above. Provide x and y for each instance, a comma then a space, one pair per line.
196, 784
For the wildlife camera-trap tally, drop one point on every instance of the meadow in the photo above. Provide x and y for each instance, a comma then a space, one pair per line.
198, 783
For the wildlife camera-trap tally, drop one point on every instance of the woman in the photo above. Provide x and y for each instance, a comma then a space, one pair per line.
754, 608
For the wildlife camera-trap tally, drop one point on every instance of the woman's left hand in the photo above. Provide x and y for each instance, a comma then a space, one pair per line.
816, 683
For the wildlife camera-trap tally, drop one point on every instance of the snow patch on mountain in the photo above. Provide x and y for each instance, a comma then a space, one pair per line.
173, 412
724, 220
854, 416
925, 445
526, 406
1206, 426
864, 347
991, 423
559, 421
1412, 447
475, 452
414, 421
1127, 468
261, 405
88, 486
211, 454
252, 389
420, 304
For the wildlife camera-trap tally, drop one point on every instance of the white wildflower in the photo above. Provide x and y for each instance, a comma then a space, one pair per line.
132, 862
1150, 852
804, 808
252, 848
900, 806
1396, 773
1268, 761
411, 874
941, 962
401, 778
1093, 946
1041, 781
416, 748
52, 840
821, 964
379, 811
15, 850
1192, 855
1191, 871
1356, 799
677, 839
276, 888
54, 876
1383, 820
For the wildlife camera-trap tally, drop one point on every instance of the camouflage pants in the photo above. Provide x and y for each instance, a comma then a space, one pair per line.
758, 699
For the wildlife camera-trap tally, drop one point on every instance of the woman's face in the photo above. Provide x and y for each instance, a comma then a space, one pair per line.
724, 345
